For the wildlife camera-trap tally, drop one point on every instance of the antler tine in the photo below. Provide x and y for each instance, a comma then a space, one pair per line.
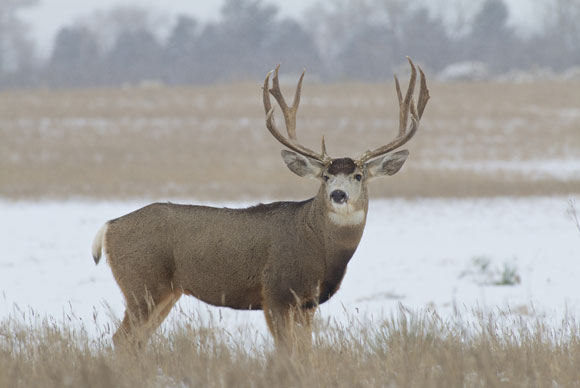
398, 87
289, 116
324, 154
423, 94
265, 94
276, 89
289, 112
406, 106
400, 97
298, 93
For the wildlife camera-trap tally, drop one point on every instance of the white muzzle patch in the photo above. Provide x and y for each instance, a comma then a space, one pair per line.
344, 215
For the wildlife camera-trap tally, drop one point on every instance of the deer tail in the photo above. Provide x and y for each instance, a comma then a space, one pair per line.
98, 243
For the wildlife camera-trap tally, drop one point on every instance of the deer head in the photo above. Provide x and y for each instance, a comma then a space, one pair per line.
344, 180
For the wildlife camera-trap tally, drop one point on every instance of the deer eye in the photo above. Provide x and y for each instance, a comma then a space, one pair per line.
358, 177
325, 177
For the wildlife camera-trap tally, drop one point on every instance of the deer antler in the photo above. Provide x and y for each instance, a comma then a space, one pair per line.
405, 106
289, 118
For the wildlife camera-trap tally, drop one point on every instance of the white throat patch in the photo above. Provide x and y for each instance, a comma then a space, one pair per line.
344, 216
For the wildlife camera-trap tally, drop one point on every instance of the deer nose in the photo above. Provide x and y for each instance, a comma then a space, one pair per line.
338, 196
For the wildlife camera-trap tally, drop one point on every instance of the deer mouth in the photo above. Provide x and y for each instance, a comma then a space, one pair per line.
343, 208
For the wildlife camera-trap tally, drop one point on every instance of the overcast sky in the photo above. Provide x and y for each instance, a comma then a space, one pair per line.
50, 15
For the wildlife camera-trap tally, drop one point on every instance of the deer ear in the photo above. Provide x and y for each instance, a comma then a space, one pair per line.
389, 164
301, 165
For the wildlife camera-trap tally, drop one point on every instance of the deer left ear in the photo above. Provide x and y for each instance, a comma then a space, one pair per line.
389, 164
301, 165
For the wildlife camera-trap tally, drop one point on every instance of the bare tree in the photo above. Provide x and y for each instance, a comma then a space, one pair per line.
16, 48
245, 28
180, 51
367, 53
491, 39
424, 38
560, 40
135, 57
75, 58
109, 24
334, 23
459, 16
292, 45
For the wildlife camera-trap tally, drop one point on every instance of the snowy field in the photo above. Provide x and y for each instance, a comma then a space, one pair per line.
447, 255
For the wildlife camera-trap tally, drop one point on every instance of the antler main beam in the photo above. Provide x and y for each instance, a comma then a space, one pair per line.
289, 117
406, 105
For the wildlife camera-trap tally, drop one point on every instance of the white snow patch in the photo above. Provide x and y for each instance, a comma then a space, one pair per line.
412, 252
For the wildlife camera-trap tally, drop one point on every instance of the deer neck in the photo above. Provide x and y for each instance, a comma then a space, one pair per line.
337, 240
341, 230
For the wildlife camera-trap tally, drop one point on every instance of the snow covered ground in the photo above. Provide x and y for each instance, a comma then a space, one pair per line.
437, 253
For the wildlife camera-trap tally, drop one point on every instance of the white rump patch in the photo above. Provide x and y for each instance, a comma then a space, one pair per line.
344, 217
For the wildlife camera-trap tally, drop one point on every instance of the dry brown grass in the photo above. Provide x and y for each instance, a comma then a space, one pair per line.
409, 350
211, 142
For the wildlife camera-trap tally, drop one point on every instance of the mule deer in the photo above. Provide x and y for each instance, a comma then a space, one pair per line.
284, 258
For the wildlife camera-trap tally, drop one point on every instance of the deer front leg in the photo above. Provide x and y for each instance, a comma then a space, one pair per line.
278, 320
302, 327
289, 300
290, 326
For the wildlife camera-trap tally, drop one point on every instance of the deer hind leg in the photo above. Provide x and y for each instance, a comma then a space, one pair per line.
142, 317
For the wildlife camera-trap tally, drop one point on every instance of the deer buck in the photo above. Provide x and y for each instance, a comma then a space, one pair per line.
284, 258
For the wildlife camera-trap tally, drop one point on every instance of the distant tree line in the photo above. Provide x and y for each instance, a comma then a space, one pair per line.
338, 39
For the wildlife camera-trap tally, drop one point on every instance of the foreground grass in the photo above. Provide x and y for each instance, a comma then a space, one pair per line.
408, 350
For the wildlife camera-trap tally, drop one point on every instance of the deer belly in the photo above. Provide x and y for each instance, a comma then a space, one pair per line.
219, 284
240, 299
219, 274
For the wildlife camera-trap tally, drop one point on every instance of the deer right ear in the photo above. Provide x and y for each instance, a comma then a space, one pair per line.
301, 165
389, 164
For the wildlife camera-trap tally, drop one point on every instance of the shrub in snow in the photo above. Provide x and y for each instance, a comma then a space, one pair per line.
485, 274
